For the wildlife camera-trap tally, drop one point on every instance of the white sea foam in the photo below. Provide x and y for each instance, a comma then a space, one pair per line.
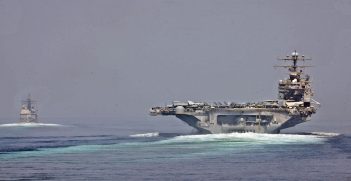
325, 134
153, 134
250, 138
30, 125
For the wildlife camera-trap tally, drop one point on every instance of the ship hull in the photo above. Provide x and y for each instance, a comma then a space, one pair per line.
28, 121
28, 118
228, 121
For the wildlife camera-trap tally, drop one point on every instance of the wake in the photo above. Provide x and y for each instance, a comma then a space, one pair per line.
209, 144
145, 135
31, 125
253, 138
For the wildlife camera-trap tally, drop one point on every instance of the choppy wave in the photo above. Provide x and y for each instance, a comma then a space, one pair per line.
145, 135
30, 125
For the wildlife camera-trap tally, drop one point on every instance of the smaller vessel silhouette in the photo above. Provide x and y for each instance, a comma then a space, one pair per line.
28, 113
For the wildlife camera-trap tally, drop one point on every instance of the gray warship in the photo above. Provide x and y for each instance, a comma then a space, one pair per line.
28, 113
293, 106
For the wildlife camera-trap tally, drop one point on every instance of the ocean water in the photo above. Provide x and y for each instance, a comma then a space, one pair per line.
104, 152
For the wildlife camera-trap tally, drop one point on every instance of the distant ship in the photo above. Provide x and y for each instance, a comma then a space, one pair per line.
294, 106
28, 113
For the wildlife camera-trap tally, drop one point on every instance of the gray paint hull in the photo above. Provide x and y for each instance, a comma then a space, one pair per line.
228, 121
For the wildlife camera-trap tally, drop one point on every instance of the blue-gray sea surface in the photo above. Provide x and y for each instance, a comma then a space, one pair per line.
102, 152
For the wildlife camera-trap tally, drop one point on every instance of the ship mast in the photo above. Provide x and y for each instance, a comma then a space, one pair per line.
294, 57
29, 102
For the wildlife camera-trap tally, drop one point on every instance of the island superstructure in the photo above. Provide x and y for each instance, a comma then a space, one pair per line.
293, 106
28, 113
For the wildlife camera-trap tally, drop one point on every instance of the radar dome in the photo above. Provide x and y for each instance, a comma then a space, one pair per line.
179, 109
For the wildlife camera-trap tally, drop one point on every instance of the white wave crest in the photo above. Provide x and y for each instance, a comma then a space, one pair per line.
30, 125
148, 135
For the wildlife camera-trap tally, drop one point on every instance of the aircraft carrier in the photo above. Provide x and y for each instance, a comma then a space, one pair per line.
293, 106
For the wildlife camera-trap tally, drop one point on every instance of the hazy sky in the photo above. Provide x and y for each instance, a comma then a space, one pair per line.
118, 58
